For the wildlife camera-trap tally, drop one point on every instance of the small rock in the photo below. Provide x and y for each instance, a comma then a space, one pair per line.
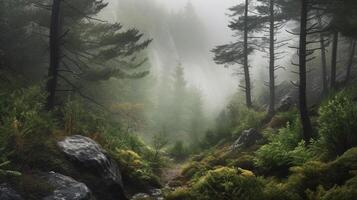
7, 193
141, 196
66, 188
247, 139
156, 192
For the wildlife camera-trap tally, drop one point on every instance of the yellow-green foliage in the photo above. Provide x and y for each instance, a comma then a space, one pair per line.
133, 166
345, 192
274, 190
180, 194
337, 124
194, 169
244, 161
228, 183
314, 174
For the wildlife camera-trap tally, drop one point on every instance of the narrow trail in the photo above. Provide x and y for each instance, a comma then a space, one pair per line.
171, 172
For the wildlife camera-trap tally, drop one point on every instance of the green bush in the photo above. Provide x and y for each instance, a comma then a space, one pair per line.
283, 150
81, 119
135, 169
345, 192
22, 113
337, 124
274, 190
23, 119
228, 183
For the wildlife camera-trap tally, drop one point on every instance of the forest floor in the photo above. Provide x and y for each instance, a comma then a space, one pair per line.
171, 172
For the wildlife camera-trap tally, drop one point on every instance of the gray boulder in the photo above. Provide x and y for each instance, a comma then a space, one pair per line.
7, 193
66, 188
247, 139
286, 104
92, 159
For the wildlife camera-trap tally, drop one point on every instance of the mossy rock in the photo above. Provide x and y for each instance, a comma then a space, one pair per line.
314, 174
274, 190
245, 162
278, 121
194, 168
228, 183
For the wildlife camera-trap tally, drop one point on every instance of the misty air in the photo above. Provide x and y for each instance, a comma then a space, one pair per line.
178, 100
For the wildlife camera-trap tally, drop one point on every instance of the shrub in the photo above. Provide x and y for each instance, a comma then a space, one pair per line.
228, 183
284, 149
22, 113
79, 119
114, 138
345, 192
194, 169
338, 125
274, 190
22, 119
135, 169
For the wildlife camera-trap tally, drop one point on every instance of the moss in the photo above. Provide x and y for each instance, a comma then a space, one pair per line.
180, 194
275, 190
245, 162
345, 192
134, 169
228, 183
194, 169
312, 175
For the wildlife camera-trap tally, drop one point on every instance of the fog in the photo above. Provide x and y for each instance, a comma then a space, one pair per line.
183, 36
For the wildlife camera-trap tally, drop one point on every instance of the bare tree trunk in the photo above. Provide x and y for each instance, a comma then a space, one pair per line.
304, 114
350, 61
272, 60
323, 59
54, 54
334, 60
324, 66
246, 65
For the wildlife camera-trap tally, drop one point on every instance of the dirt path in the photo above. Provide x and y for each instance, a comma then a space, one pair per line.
171, 173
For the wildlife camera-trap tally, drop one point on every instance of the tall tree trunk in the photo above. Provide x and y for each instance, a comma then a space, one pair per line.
334, 60
304, 114
323, 58
246, 65
54, 54
350, 61
323, 66
272, 60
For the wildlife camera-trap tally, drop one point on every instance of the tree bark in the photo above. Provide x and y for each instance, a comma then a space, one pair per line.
350, 61
304, 114
54, 54
272, 59
246, 65
323, 66
323, 58
334, 60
